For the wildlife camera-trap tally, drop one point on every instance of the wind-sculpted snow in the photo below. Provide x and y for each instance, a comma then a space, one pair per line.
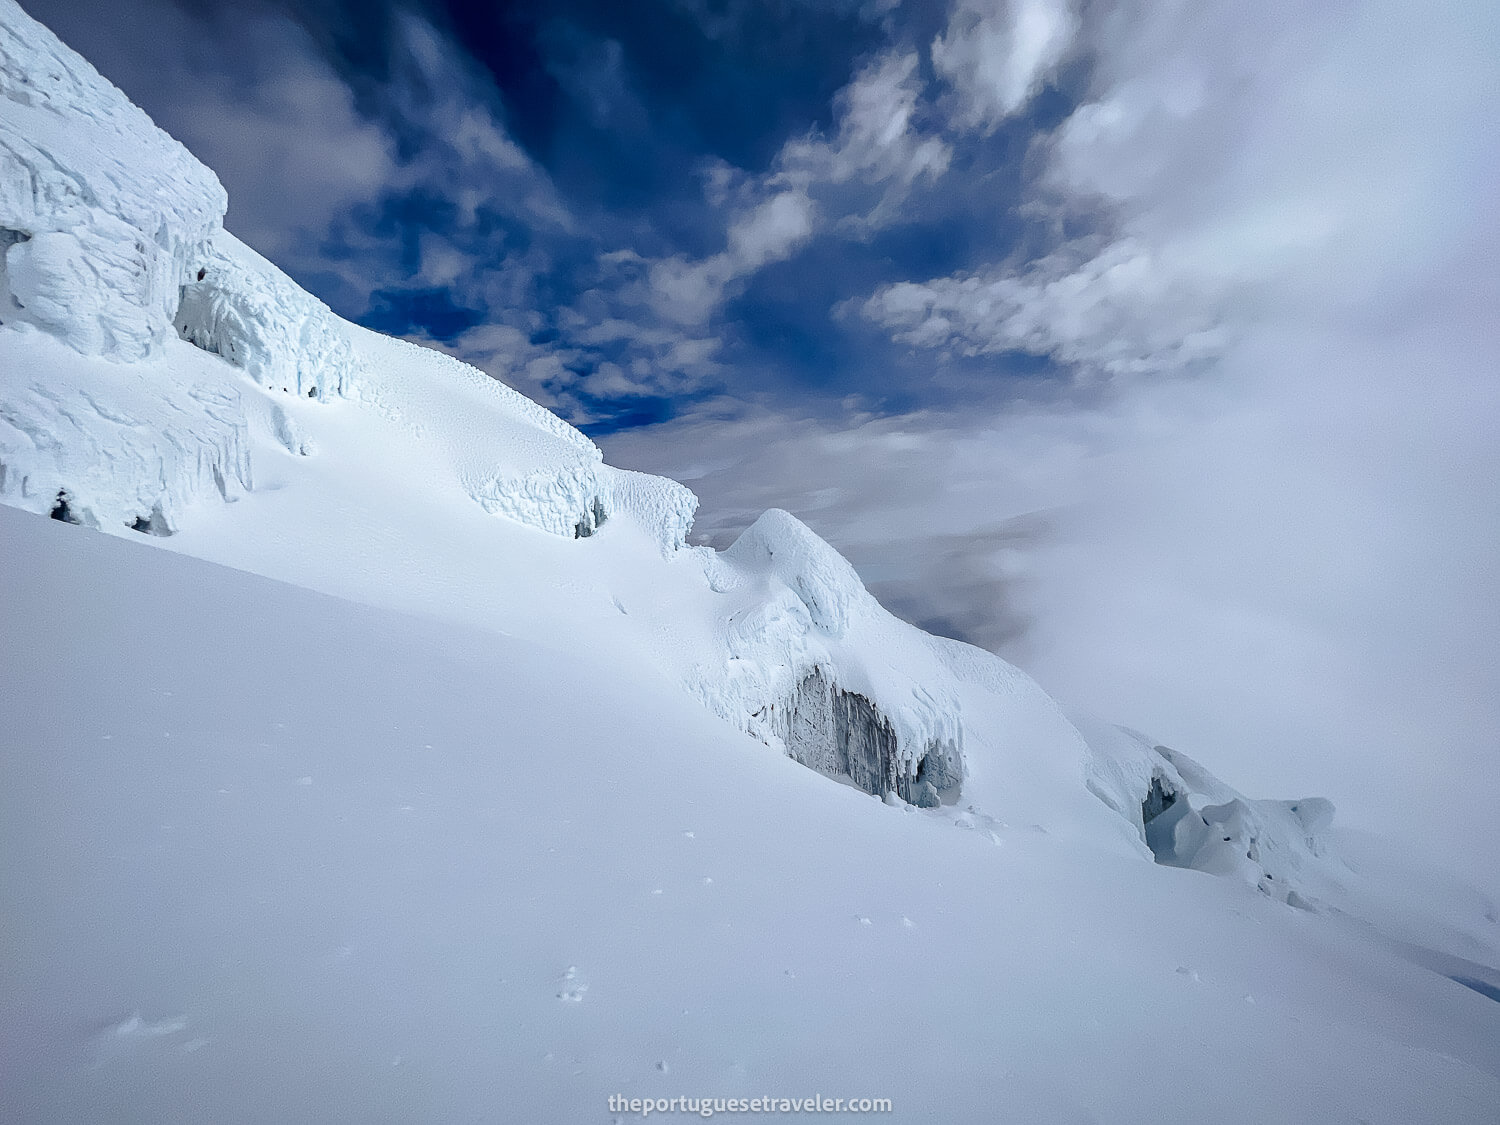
657, 504
564, 501
110, 239
125, 447
509, 455
241, 307
823, 580
102, 215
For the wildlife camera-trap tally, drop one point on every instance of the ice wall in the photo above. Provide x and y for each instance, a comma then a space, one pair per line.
102, 215
111, 242
661, 506
239, 306
842, 734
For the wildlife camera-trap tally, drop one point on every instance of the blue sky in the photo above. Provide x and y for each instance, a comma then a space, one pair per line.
1150, 343
580, 173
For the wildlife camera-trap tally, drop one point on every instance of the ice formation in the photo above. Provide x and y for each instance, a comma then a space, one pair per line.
813, 664
239, 306
153, 363
101, 213
125, 446
1189, 818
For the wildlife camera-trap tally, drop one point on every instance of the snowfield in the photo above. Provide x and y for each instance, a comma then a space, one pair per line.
391, 757
275, 856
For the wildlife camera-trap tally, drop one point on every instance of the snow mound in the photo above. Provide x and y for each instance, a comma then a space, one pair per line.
824, 582
813, 664
239, 306
101, 213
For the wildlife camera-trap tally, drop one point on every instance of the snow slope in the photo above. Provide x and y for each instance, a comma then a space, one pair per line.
454, 876
582, 677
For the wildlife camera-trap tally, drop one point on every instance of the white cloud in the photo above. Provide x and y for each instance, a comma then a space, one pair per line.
877, 140
997, 53
688, 292
772, 230
1127, 309
770, 217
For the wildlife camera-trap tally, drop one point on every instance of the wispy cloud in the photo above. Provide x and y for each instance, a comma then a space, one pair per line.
996, 54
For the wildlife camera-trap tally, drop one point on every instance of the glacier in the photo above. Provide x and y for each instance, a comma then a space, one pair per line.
163, 383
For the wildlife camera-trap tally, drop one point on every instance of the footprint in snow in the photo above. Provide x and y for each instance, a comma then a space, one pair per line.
573, 989
134, 1033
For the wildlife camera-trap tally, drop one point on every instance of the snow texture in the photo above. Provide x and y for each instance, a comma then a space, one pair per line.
662, 506
1189, 818
125, 446
102, 214
239, 306
244, 883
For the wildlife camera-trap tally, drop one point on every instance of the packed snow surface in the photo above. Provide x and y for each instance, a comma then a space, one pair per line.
446, 809
451, 875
